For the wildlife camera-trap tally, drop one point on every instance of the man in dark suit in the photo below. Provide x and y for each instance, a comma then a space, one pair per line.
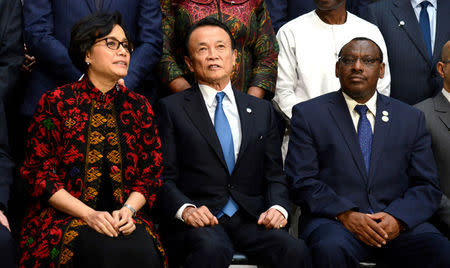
362, 169
11, 57
414, 36
47, 35
224, 187
437, 116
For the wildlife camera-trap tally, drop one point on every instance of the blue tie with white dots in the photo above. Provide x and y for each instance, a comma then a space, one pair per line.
225, 136
364, 134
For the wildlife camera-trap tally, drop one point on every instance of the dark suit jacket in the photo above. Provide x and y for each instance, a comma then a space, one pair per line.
413, 76
47, 34
11, 44
437, 115
194, 167
6, 163
327, 171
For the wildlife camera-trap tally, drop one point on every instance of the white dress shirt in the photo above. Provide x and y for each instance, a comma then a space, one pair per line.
432, 11
446, 94
371, 111
231, 112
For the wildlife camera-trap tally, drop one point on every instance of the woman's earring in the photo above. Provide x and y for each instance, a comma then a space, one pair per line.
88, 63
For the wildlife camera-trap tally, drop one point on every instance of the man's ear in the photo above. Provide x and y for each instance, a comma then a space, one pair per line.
382, 69
234, 57
189, 63
440, 68
336, 69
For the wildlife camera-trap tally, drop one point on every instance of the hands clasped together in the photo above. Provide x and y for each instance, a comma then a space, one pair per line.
119, 221
201, 217
372, 229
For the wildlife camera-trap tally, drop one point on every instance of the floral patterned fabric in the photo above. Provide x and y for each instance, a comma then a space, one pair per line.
248, 21
77, 138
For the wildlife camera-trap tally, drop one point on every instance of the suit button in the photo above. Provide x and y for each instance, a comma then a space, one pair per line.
229, 186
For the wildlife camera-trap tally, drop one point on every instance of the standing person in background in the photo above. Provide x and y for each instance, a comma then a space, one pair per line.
248, 20
437, 116
11, 57
415, 32
309, 47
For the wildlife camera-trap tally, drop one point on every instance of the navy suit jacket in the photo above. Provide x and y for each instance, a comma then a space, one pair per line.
194, 166
413, 75
326, 168
47, 34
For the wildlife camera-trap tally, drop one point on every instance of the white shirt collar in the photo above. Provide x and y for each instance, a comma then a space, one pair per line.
416, 3
371, 103
209, 93
446, 94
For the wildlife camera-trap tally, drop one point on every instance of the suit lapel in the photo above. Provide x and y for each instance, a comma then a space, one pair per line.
403, 11
442, 106
381, 130
246, 119
339, 111
195, 108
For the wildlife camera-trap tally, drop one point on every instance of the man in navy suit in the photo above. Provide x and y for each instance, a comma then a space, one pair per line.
362, 169
414, 33
224, 187
47, 35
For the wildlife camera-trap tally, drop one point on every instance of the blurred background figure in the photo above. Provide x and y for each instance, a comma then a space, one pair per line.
415, 32
437, 115
93, 161
257, 49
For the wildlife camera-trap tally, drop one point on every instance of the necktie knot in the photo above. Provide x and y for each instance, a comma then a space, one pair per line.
361, 109
220, 96
424, 4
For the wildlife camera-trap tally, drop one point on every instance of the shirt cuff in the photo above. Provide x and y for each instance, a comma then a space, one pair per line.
179, 213
282, 210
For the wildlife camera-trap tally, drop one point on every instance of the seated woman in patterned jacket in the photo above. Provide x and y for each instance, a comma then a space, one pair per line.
93, 162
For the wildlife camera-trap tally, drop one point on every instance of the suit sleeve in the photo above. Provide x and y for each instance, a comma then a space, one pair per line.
42, 43
11, 45
6, 163
277, 188
171, 198
302, 169
422, 198
148, 43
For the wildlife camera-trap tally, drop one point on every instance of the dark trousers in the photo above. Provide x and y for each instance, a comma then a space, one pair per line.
8, 249
332, 245
215, 246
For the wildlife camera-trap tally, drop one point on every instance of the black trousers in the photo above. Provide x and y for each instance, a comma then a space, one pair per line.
215, 246
95, 250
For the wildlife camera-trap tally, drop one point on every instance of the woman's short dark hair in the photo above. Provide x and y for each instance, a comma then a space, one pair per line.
208, 21
86, 31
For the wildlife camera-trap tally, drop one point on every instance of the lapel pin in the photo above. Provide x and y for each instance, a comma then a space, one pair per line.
401, 24
249, 110
385, 118
385, 113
